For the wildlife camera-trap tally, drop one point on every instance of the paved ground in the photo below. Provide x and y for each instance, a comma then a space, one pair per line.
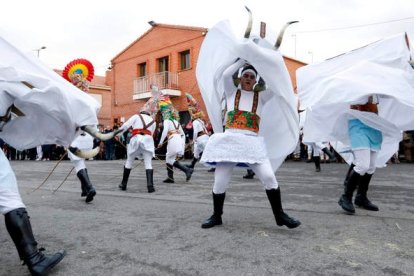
136, 233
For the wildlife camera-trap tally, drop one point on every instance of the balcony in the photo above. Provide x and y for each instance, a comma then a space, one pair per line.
166, 81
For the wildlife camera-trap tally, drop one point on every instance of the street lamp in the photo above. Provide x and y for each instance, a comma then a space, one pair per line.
38, 50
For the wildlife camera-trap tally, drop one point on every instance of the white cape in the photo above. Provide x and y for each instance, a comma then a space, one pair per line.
327, 89
53, 109
279, 123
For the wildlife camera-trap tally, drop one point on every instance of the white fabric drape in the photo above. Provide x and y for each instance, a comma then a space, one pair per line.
53, 109
327, 89
279, 120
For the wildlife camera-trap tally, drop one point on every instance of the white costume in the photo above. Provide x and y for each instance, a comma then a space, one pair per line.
52, 107
83, 142
328, 89
176, 140
361, 102
200, 137
141, 145
262, 127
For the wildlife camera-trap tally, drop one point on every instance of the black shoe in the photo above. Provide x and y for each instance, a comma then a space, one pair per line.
170, 174
86, 184
150, 182
346, 204
125, 177
281, 217
250, 174
361, 199
212, 221
188, 171
284, 219
90, 195
365, 203
41, 264
20, 230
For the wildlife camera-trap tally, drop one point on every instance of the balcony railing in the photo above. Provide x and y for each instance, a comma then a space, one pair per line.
164, 80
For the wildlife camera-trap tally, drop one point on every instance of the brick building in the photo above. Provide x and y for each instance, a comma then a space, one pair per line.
165, 55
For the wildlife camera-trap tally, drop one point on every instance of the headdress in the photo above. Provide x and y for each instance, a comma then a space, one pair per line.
151, 106
250, 69
194, 107
79, 72
167, 109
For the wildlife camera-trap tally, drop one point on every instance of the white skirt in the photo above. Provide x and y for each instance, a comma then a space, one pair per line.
235, 148
140, 144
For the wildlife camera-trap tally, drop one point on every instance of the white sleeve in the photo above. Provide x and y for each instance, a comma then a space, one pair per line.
166, 126
228, 84
128, 123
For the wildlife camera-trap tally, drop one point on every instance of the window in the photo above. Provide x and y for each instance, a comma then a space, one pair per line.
142, 69
163, 64
185, 60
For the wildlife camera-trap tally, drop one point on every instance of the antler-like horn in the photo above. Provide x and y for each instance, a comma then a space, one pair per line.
282, 31
101, 136
249, 24
86, 154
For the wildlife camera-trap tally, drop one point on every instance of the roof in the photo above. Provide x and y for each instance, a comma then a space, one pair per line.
160, 25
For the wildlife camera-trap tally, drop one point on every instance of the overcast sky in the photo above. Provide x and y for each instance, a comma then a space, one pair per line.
99, 29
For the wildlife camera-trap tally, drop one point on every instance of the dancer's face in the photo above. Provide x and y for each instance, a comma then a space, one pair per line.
247, 81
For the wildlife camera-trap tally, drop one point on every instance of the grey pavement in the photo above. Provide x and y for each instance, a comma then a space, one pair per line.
136, 233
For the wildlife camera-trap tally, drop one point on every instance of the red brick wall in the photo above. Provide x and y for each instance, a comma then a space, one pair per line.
159, 41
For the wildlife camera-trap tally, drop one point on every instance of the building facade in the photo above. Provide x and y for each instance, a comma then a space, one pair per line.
165, 55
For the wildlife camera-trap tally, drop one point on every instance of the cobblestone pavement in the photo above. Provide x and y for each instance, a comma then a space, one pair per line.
136, 233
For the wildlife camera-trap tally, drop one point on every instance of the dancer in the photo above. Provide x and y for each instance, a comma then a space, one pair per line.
36, 107
200, 133
174, 133
141, 146
361, 102
315, 150
256, 85
80, 72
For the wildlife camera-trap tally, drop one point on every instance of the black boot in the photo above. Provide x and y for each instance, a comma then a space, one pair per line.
188, 171
361, 199
281, 217
84, 192
86, 182
215, 219
20, 230
332, 157
150, 180
170, 174
125, 177
345, 201
317, 160
250, 174
348, 173
193, 162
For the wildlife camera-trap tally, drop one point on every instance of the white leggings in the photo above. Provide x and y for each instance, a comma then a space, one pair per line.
78, 164
147, 160
263, 171
364, 161
9, 193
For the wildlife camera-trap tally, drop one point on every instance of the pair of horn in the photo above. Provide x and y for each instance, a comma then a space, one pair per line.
86, 154
281, 33
101, 136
